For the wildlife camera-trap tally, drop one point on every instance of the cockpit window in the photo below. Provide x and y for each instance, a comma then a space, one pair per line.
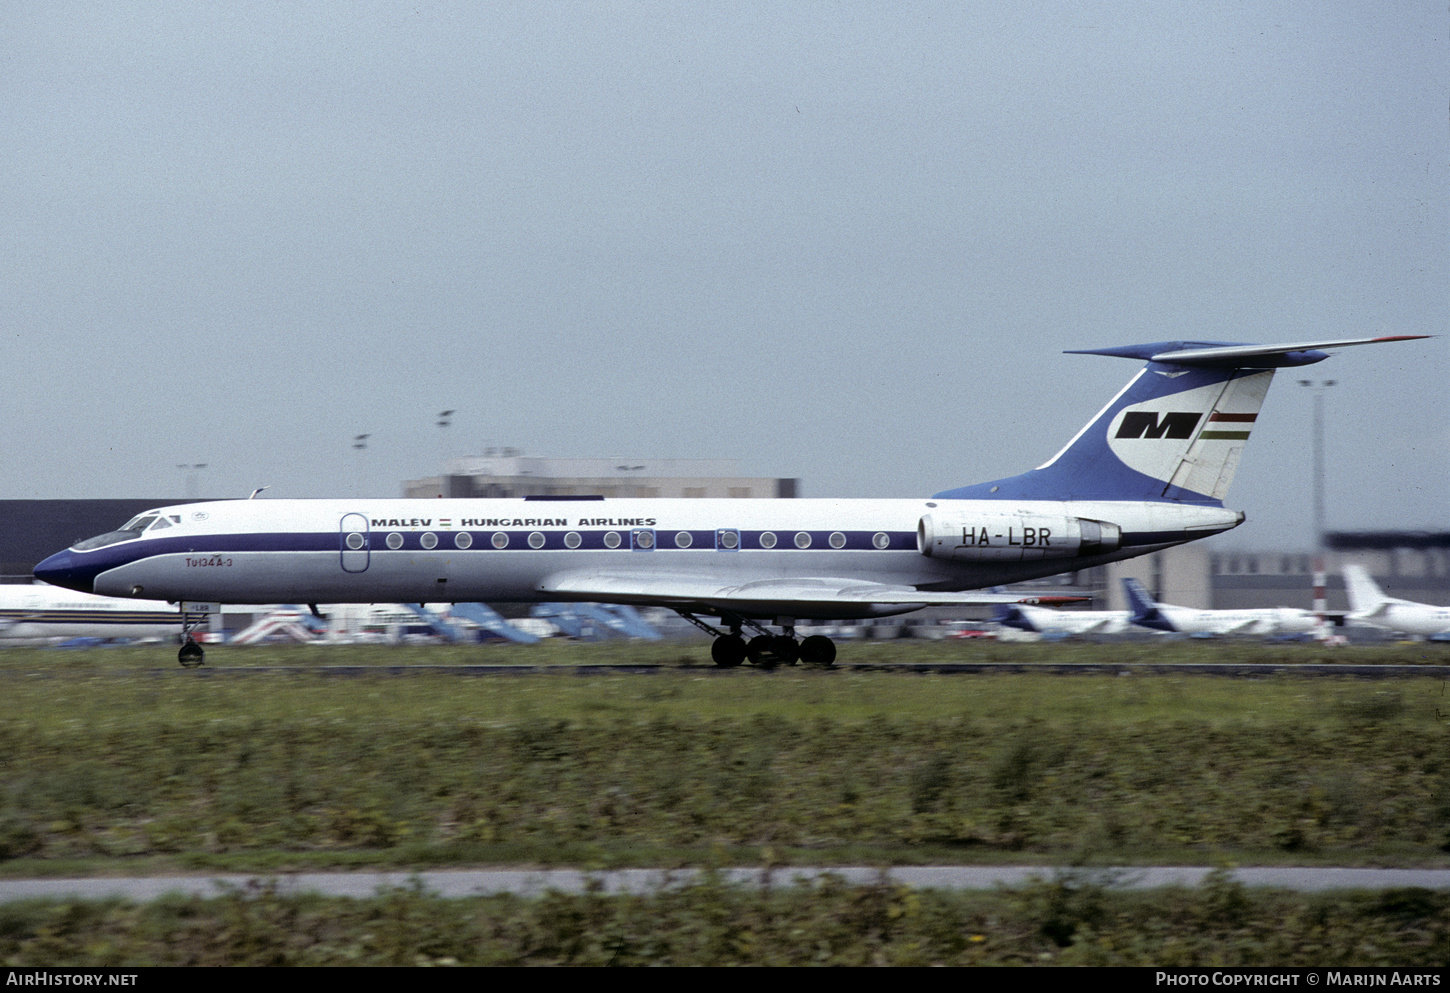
132, 529
109, 538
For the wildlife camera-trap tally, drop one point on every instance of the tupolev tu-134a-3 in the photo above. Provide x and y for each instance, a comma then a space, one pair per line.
1149, 471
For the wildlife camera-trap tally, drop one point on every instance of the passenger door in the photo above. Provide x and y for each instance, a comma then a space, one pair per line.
355, 543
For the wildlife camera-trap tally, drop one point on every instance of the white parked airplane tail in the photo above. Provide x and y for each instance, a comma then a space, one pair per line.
1365, 596
1174, 433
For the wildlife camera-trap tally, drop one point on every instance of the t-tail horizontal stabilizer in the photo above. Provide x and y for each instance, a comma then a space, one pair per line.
1174, 433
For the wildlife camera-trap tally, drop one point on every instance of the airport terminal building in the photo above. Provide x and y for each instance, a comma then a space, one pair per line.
507, 472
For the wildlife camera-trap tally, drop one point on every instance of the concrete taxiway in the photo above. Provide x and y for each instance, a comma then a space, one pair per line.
536, 882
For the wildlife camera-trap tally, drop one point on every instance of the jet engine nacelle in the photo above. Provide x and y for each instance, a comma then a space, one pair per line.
989, 537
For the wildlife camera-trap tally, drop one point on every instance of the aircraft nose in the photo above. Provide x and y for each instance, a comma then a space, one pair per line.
62, 569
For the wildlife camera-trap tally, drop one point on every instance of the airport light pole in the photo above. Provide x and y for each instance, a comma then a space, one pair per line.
191, 469
360, 444
1321, 594
1318, 389
445, 418
634, 490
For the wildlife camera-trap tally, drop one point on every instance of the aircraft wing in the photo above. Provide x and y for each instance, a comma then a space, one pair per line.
795, 597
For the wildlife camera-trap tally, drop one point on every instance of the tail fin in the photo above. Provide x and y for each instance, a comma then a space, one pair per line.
1174, 433
1012, 616
1145, 612
1365, 596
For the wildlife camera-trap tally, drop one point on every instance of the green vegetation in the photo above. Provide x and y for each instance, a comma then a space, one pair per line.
118, 762
556, 652
113, 767
1062, 921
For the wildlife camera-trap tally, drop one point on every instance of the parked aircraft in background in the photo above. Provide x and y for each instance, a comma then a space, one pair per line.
1148, 472
595, 620
1046, 620
38, 611
346, 623
1368, 604
1262, 621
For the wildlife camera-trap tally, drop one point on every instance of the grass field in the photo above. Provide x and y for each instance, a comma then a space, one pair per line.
697, 653
116, 761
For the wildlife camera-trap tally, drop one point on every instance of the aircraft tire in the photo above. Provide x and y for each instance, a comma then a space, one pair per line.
728, 651
758, 648
818, 650
191, 655
786, 650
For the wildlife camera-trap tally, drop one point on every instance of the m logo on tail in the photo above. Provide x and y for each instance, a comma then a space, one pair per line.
1138, 423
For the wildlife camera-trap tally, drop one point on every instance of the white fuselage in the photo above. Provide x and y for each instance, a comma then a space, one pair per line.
1261, 621
1047, 620
1407, 617
365, 551
38, 611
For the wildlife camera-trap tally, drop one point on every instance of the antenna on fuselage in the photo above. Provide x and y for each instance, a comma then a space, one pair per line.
259, 489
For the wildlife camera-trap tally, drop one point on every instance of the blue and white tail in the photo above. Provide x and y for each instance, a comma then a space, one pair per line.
1174, 433
1013, 616
1144, 609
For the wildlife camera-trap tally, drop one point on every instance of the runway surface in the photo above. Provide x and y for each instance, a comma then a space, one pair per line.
536, 882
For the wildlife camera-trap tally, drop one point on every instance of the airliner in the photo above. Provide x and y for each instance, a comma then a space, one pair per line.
1261, 621
1148, 472
1050, 621
36, 611
1368, 604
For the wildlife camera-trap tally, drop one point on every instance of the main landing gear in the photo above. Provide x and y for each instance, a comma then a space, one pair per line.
765, 650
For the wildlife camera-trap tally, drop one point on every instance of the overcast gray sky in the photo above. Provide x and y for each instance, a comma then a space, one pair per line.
842, 242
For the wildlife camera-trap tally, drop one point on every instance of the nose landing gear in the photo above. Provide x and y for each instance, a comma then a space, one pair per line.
191, 654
